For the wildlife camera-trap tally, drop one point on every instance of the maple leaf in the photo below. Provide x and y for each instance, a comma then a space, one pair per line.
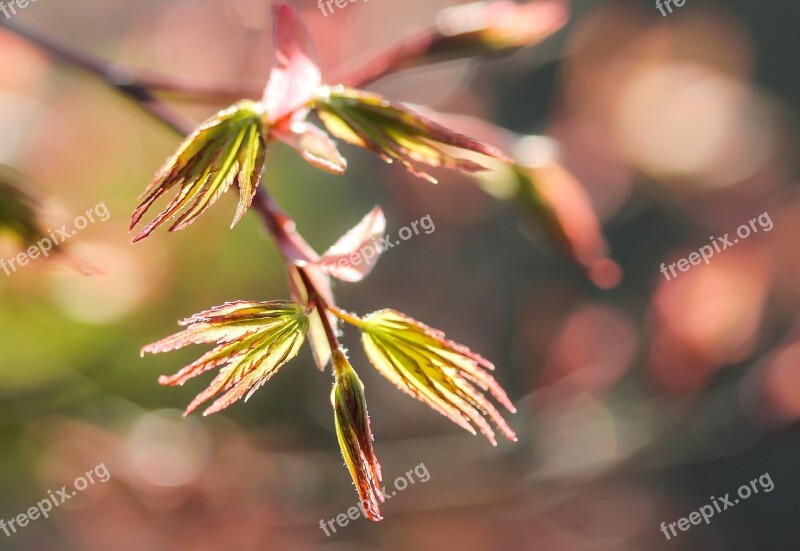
396, 133
228, 147
434, 370
355, 436
255, 339
562, 208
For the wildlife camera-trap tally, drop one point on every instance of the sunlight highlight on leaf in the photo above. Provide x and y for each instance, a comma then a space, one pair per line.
229, 147
396, 133
255, 339
434, 370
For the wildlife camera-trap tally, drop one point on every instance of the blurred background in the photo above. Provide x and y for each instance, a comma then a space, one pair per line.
636, 404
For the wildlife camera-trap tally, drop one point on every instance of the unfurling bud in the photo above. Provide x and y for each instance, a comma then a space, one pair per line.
355, 436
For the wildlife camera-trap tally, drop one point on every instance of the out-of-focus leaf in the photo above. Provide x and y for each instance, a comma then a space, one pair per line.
355, 436
255, 339
296, 74
347, 259
485, 27
395, 133
228, 147
19, 210
24, 215
313, 144
559, 204
470, 30
434, 370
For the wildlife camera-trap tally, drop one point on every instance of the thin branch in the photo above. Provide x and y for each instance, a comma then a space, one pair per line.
396, 58
113, 76
322, 307
292, 245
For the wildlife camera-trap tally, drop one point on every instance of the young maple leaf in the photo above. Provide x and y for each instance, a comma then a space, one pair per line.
255, 339
228, 147
396, 133
355, 436
434, 370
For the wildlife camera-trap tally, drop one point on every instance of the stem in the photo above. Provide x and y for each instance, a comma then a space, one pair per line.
283, 229
397, 57
346, 317
322, 307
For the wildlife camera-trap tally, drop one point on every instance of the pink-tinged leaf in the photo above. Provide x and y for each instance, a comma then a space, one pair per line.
356, 253
564, 210
295, 75
254, 340
313, 144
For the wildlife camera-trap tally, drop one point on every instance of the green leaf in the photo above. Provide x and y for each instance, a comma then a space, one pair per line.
255, 339
229, 147
396, 133
438, 372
